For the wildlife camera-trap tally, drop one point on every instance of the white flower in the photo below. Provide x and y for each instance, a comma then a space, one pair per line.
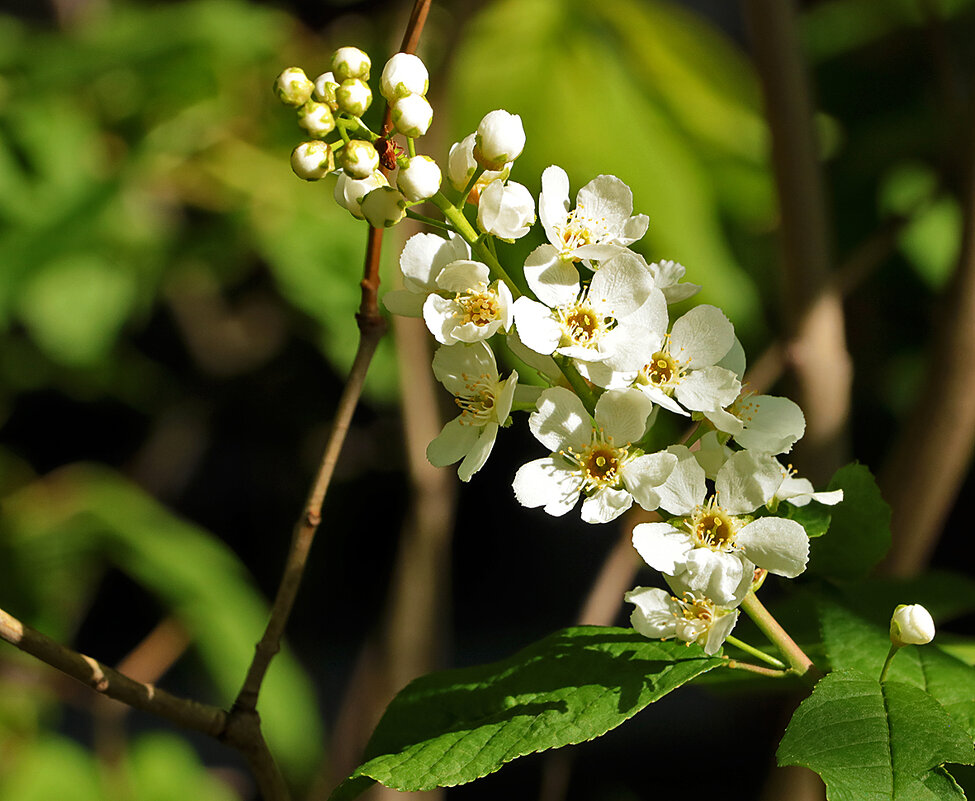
667, 275
500, 138
316, 118
419, 179
350, 191
412, 115
911, 625
350, 62
659, 615
471, 374
800, 491
609, 322
354, 96
325, 86
712, 546
595, 459
765, 423
312, 160
423, 258
461, 166
359, 159
506, 210
684, 364
293, 87
470, 308
383, 207
599, 225
404, 74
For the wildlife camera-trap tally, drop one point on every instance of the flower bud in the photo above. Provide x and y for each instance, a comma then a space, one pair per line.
461, 166
316, 118
350, 191
312, 160
325, 86
404, 74
293, 87
353, 97
350, 62
412, 115
500, 139
419, 179
383, 207
359, 159
911, 625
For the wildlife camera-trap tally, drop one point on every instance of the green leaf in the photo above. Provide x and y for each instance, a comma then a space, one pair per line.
859, 533
49, 767
453, 727
814, 517
874, 742
164, 767
853, 643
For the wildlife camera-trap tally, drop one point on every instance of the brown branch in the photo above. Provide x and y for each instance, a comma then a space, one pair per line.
929, 460
110, 682
813, 312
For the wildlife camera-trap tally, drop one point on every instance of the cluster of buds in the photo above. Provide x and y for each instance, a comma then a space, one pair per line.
596, 330
330, 109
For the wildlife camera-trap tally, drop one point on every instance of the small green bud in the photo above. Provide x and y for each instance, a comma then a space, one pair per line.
349, 191
350, 62
325, 86
354, 96
419, 179
359, 159
412, 115
293, 87
404, 74
383, 207
316, 118
312, 160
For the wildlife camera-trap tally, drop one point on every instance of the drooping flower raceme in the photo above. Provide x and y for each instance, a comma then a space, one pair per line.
714, 545
594, 459
471, 374
601, 222
660, 615
612, 321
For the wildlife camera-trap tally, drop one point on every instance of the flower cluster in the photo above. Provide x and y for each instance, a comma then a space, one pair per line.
596, 335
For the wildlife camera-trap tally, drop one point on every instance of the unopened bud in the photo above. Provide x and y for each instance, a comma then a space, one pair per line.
354, 96
419, 179
412, 115
461, 166
325, 86
350, 62
359, 159
312, 160
293, 87
500, 138
316, 118
404, 74
911, 624
350, 191
383, 207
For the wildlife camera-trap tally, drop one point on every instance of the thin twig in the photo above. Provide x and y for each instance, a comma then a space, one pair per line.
801, 664
773, 673
110, 682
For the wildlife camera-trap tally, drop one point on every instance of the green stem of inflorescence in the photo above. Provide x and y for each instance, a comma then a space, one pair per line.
890, 655
758, 654
799, 663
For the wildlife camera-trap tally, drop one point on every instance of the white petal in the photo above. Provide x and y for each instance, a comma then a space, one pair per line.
702, 336
538, 329
724, 421
707, 389
719, 631
469, 332
463, 276
545, 365
643, 476
661, 398
548, 482
440, 315
605, 505
425, 255
656, 613
720, 576
734, 359
779, 545
634, 229
561, 421
453, 443
506, 396
622, 414
404, 302
747, 481
554, 282
772, 424
711, 454
553, 201
662, 546
455, 366
608, 199
621, 285
479, 452
685, 488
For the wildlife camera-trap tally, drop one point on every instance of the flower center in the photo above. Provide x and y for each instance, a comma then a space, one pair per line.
712, 527
477, 405
479, 307
697, 616
600, 462
662, 371
581, 325
579, 230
